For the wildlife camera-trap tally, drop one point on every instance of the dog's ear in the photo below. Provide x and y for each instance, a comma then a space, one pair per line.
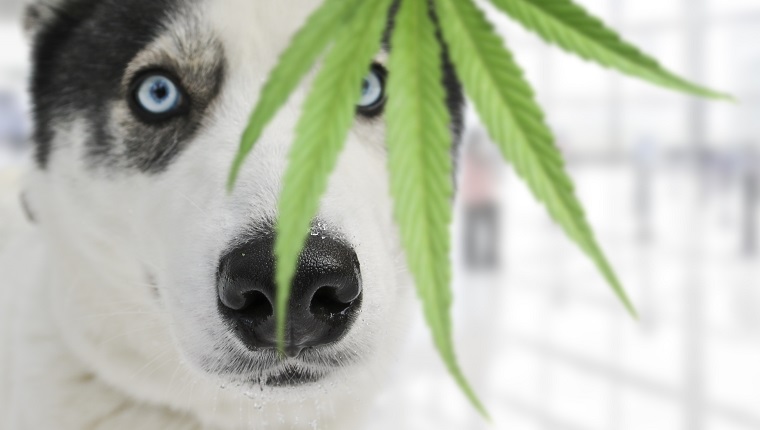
40, 14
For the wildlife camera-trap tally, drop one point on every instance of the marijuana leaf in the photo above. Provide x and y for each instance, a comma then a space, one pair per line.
307, 45
418, 137
321, 131
505, 103
419, 161
568, 25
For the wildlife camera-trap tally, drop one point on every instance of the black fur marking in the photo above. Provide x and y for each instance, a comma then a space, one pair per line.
80, 60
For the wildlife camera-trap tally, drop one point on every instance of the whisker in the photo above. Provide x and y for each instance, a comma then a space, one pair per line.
124, 313
171, 381
153, 325
148, 364
192, 202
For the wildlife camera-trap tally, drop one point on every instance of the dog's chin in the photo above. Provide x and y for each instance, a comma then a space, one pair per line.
270, 371
284, 376
290, 376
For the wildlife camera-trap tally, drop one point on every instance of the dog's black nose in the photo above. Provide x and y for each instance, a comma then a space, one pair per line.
326, 293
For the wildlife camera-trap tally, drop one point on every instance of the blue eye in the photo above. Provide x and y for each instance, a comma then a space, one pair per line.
373, 92
157, 95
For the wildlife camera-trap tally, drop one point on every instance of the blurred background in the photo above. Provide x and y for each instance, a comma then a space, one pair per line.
14, 122
671, 186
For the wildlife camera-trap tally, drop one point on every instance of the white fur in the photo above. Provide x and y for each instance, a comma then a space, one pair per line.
92, 347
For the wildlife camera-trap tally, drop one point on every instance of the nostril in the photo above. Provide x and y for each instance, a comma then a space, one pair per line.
257, 307
326, 303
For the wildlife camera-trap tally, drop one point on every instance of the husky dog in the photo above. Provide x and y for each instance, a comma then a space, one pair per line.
139, 295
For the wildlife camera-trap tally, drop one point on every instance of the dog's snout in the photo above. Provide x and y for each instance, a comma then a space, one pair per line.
325, 297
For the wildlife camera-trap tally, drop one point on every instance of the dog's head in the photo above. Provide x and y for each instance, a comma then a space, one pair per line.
139, 108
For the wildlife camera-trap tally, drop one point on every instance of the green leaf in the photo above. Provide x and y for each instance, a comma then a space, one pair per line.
307, 45
419, 160
507, 106
328, 114
568, 25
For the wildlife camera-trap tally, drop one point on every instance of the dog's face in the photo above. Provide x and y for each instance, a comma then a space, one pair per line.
139, 109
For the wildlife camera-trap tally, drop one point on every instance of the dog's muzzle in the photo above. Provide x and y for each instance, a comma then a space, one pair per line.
325, 298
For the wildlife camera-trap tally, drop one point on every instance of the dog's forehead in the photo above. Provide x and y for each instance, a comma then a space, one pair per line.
250, 33
246, 36
261, 26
